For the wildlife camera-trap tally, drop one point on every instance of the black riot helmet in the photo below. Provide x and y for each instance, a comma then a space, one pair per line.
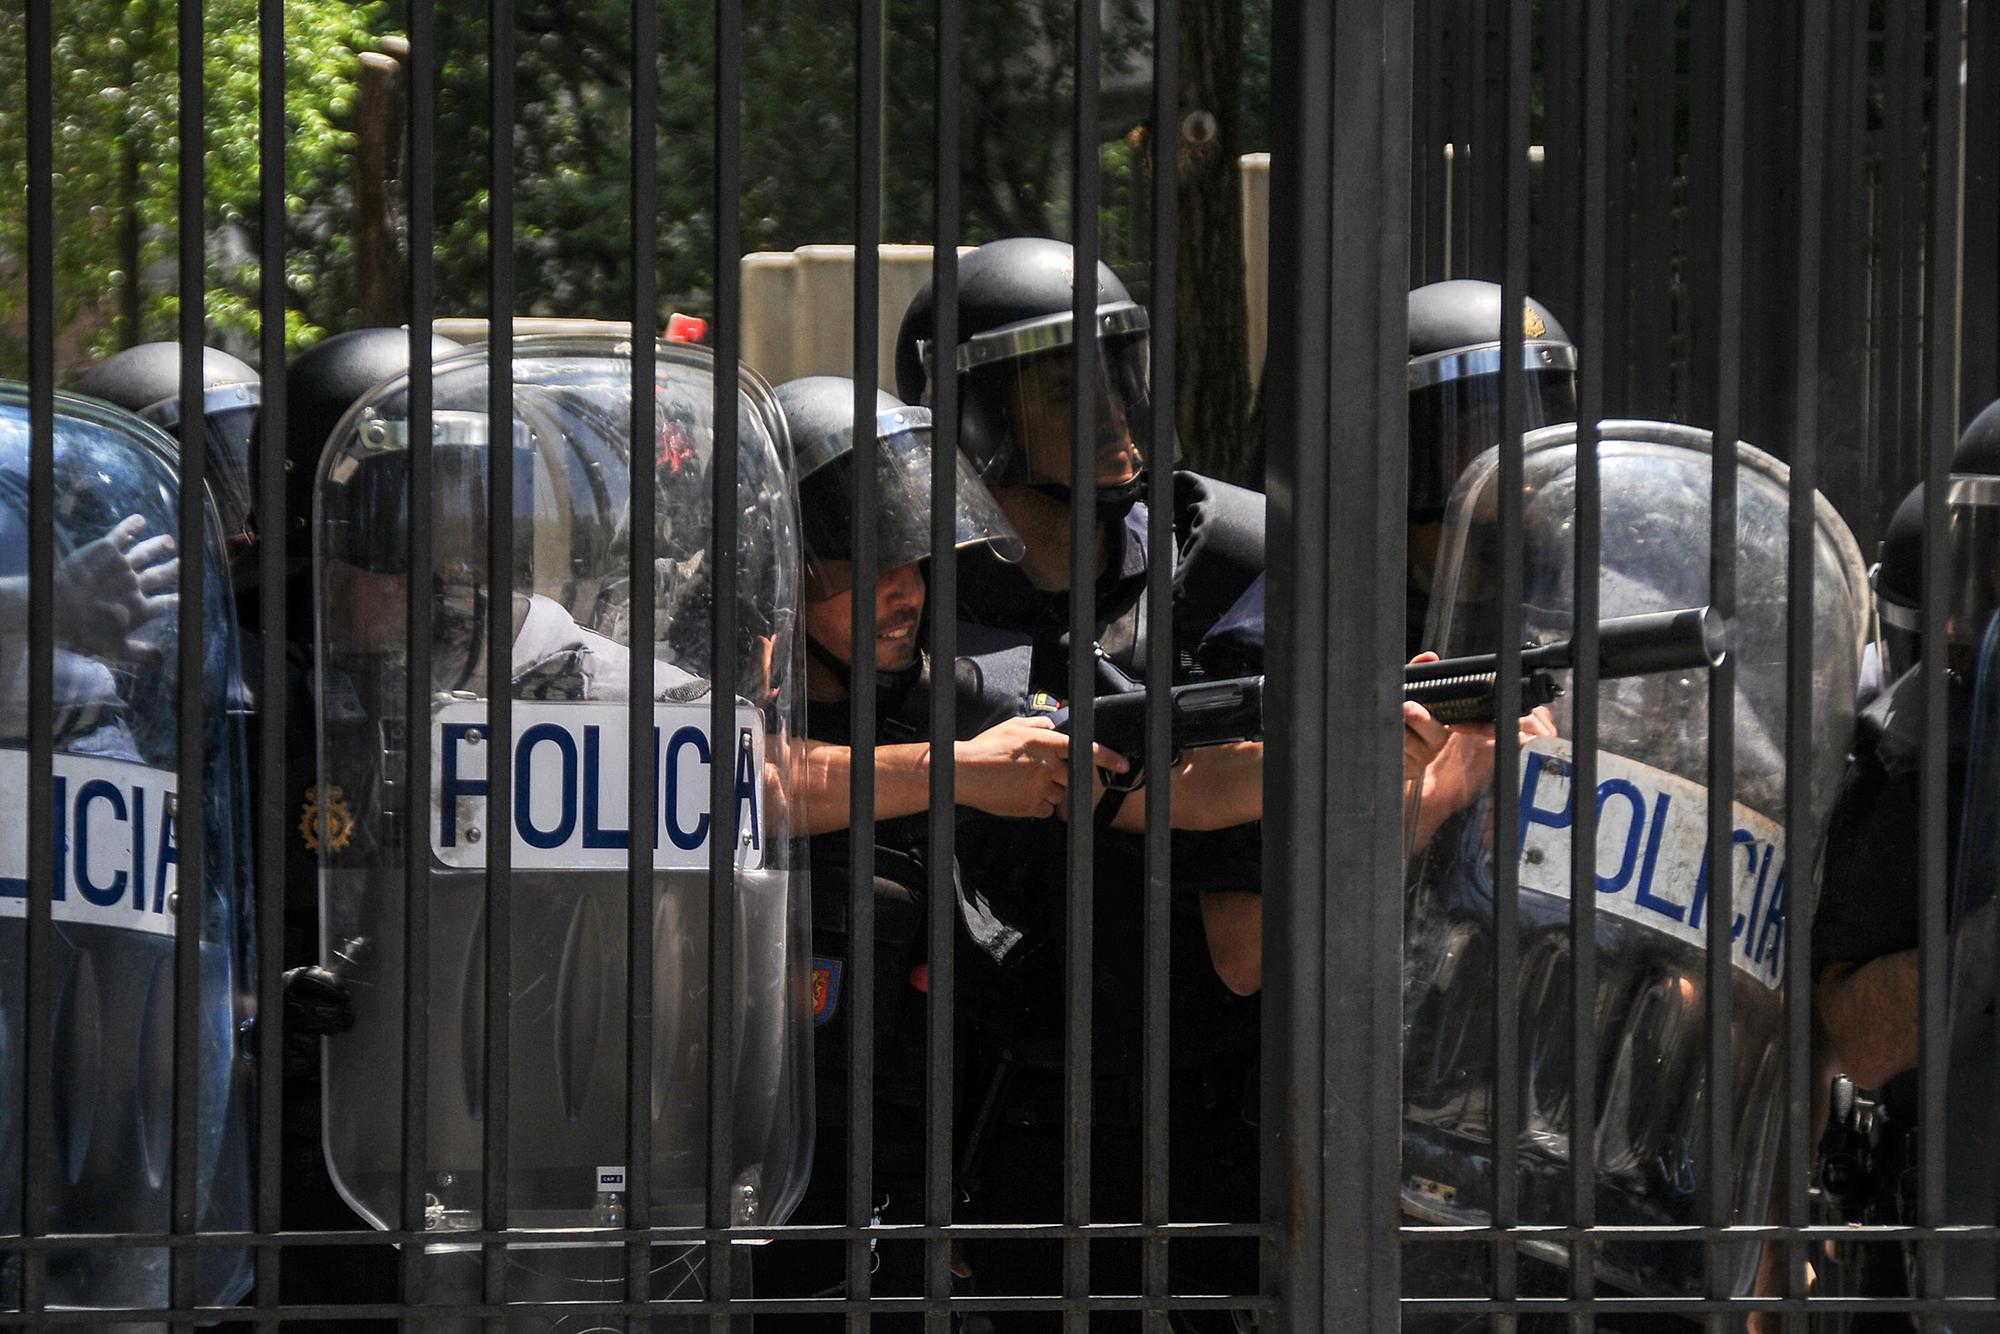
1014, 362
1455, 330
819, 415
321, 384
1972, 529
146, 380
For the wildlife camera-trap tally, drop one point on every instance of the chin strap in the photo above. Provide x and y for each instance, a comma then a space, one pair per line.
891, 687
1110, 503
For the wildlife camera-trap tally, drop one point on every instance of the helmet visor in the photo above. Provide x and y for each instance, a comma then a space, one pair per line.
229, 421
1455, 413
902, 499
1972, 525
1026, 374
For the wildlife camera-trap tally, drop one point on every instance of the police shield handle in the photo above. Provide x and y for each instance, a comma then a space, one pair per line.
1463, 690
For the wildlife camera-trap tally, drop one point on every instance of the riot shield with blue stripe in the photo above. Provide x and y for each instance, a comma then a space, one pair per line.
1651, 862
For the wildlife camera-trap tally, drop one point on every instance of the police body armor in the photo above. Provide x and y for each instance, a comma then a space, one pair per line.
570, 679
118, 890
1651, 857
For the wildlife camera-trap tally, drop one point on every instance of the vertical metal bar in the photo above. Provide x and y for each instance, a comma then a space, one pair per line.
1489, 176
274, 535
641, 748
1980, 363
1801, 567
725, 498
1944, 310
1423, 127
1332, 901
1083, 558
1506, 1119
497, 1002
417, 688
942, 901
1901, 235
1725, 357
1156, 1068
1467, 37
38, 1051
1652, 318
1612, 350
863, 722
1602, 129
190, 876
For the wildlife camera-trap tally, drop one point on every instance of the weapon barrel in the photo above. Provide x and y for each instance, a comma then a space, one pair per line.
1661, 641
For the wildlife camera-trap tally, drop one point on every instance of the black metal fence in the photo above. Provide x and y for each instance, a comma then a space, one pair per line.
1777, 224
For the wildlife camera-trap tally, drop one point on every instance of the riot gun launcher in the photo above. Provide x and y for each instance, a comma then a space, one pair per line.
1455, 690
1465, 690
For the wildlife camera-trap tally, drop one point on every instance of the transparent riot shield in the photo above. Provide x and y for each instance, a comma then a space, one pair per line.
1652, 889
1972, 1092
569, 678
118, 890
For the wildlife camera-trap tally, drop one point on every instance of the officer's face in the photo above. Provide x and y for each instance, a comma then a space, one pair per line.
1040, 414
899, 607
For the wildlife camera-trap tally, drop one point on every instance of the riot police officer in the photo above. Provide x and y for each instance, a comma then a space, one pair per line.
321, 384
146, 379
1005, 762
1652, 889
569, 677
1013, 366
120, 888
1010, 763
1865, 930
1455, 330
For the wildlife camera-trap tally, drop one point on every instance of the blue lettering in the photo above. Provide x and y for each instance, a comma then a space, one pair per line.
450, 786
1635, 835
169, 855
97, 789
565, 824
16, 886
1701, 881
1643, 895
1555, 817
1772, 936
747, 783
684, 839
139, 799
595, 836
1763, 871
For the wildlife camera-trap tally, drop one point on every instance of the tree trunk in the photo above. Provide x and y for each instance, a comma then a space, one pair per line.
1214, 374
374, 226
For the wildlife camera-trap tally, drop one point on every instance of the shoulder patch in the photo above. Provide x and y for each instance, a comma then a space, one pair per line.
825, 989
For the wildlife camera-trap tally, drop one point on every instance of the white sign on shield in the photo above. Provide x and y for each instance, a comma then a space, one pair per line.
117, 857
569, 769
1652, 853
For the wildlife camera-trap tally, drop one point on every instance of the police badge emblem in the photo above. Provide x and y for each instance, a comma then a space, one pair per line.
339, 820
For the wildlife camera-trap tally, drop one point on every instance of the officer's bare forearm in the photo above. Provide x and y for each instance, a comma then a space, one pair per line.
1869, 1013
1214, 787
1233, 922
902, 783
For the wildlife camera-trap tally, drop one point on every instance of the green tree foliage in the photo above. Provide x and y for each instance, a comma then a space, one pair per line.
116, 146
